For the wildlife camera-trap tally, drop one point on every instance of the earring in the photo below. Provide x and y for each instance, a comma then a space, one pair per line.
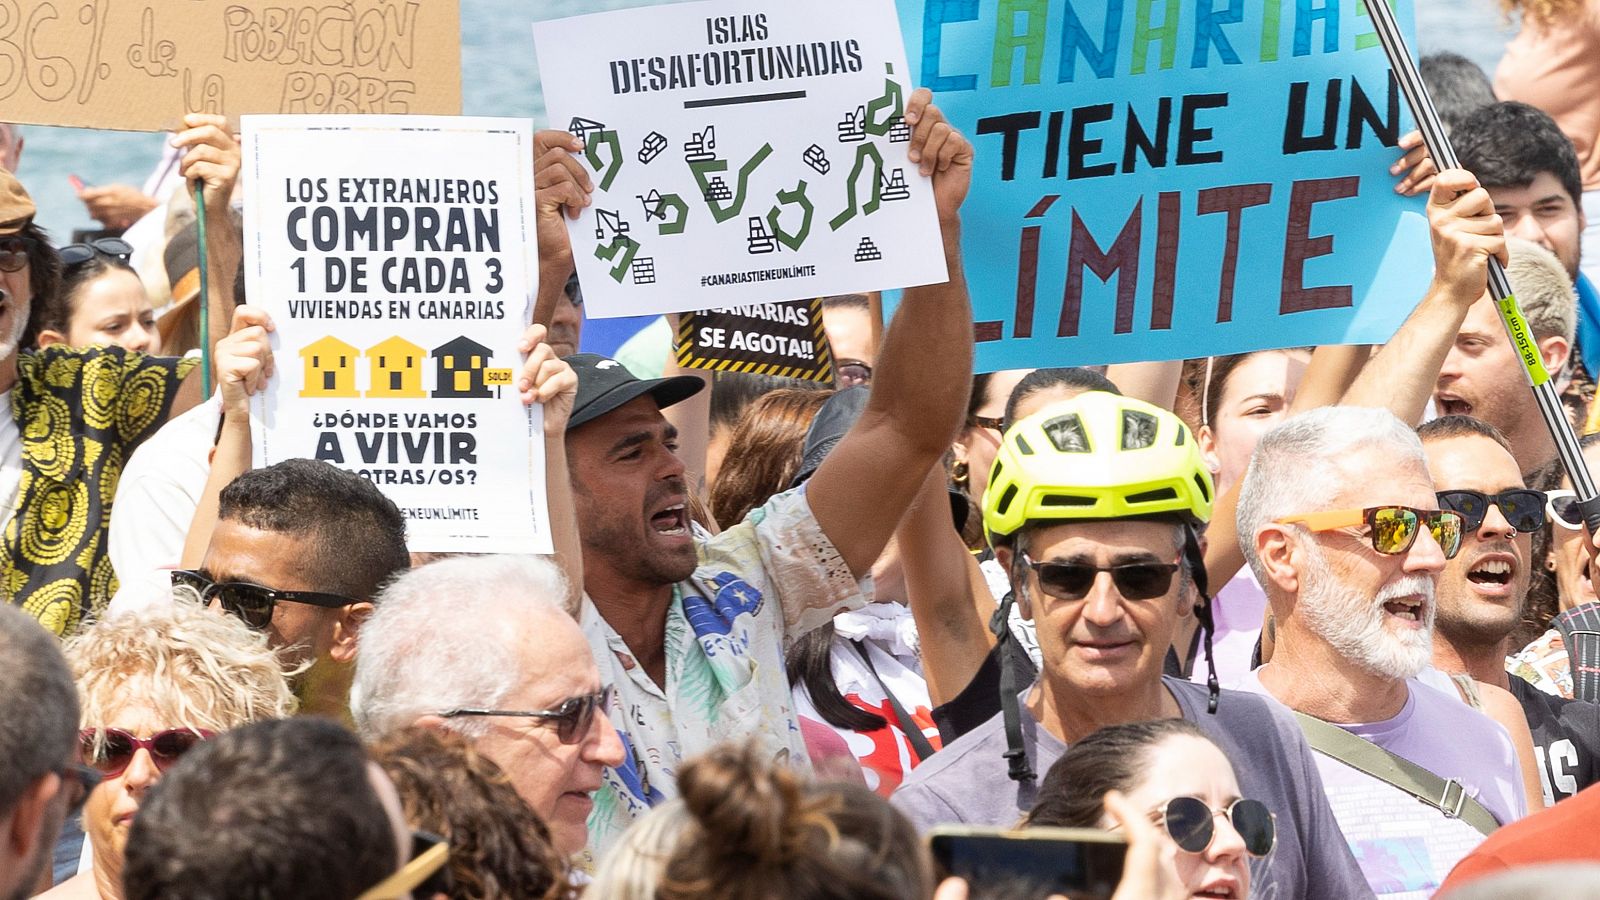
959, 473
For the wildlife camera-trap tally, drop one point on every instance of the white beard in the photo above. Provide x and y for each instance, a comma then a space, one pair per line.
1355, 628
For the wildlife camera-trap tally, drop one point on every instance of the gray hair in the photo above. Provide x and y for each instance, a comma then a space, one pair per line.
1544, 292
38, 705
446, 635
1298, 467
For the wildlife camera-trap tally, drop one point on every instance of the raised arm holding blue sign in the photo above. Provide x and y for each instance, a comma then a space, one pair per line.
1160, 179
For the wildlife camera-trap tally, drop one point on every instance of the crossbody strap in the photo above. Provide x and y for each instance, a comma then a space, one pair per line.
919, 741
1446, 795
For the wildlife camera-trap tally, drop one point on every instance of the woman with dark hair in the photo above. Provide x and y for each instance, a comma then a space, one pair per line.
100, 301
1171, 770
1241, 398
755, 829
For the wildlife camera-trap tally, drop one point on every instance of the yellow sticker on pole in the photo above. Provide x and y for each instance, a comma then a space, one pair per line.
1522, 340
497, 376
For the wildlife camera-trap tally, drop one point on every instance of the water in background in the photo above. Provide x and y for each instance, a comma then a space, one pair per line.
500, 79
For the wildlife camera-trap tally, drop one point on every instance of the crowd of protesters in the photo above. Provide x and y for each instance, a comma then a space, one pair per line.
1297, 623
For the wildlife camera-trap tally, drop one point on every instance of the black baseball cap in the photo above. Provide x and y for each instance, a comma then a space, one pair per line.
605, 384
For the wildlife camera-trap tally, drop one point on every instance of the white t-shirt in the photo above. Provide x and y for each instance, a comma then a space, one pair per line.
888, 633
160, 489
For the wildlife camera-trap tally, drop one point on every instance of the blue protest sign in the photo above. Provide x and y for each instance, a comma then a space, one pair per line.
1162, 179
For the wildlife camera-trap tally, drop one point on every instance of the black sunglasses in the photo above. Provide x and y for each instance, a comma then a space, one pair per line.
252, 602
1134, 581
1523, 508
572, 718
1193, 826
78, 254
15, 251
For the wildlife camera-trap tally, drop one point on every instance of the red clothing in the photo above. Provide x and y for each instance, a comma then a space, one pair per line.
1563, 833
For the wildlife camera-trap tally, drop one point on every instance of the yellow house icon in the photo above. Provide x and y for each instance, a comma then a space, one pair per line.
330, 368
396, 368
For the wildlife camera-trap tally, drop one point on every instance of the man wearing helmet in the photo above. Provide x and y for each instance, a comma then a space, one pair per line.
1095, 509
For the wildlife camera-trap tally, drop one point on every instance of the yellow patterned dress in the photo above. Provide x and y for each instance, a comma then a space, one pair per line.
80, 414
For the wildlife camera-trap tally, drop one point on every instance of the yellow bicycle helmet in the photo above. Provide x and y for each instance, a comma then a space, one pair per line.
1098, 456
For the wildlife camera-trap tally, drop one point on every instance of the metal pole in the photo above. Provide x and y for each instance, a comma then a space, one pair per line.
205, 287
1544, 391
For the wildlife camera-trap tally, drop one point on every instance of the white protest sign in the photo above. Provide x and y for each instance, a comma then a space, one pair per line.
741, 153
395, 256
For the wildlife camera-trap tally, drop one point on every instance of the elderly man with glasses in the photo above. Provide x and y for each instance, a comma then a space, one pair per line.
1339, 520
483, 646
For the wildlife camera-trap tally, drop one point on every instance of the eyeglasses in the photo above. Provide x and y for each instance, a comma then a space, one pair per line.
252, 602
1192, 824
851, 372
84, 780
423, 876
1522, 508
111, 750
987, 422
78, 254
1562, 507
15, 251
1391, 529
572, 718
573, 290
1134, 581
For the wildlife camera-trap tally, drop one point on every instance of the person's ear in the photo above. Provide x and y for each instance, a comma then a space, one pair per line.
24, 829
346, 625
50, 336
1555, 349
430, 722
1207, 440
1279, 555
1004, 555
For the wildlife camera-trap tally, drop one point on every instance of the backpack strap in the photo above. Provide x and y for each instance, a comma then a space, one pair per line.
919, 741
1448, 796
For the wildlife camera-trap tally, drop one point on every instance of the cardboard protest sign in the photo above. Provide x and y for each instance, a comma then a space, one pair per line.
1158, 179
742, 153
782, 339
395, 256
139, 65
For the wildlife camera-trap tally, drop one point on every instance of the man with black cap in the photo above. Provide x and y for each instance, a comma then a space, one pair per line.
690, 629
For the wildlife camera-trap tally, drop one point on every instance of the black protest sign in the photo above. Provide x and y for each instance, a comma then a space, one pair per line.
783, 339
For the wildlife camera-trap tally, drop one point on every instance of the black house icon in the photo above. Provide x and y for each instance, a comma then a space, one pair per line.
459, 365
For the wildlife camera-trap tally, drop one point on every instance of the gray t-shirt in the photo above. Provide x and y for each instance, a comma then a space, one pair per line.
966, 783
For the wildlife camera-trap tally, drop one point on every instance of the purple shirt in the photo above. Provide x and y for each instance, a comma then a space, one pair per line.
1405, 847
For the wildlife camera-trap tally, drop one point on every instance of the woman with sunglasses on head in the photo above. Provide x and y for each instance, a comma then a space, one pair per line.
100, 301
1171, 770
152, 685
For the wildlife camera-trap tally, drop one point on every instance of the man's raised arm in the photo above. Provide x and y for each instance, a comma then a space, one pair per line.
921, 381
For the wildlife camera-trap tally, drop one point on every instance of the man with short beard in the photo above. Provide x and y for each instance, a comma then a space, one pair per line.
1483, 591
1338, 518
690, 629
